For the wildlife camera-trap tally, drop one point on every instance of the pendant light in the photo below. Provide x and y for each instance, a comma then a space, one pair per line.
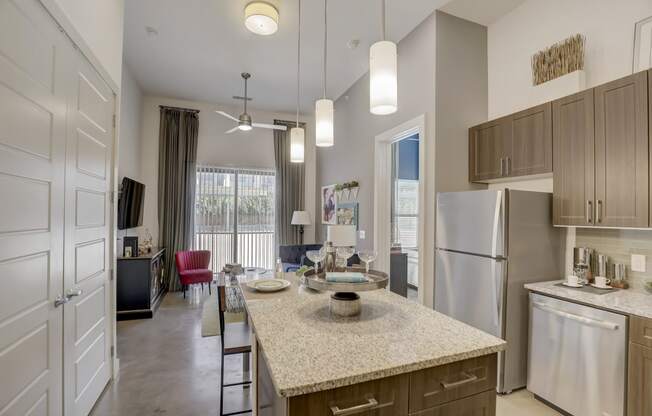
383, 78
297, 134
324, 108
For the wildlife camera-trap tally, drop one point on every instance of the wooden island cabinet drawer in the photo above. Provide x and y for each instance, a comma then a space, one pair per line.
483, 404
383, 397
434, 386
640, 331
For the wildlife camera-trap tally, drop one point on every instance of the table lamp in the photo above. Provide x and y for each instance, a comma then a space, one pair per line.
300, 218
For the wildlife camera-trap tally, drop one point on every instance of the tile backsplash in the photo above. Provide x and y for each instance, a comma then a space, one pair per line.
619, 245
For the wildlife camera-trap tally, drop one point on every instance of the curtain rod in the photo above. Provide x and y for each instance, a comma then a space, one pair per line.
178, 108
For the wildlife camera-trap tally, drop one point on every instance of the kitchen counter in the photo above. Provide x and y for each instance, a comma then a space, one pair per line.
307, 350
627, 301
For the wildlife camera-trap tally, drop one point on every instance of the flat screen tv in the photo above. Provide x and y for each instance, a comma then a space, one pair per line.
130, 204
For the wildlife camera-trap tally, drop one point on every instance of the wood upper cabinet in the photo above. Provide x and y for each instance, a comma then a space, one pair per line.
517, 145
489, 145
531, 150
574, 173
621, 152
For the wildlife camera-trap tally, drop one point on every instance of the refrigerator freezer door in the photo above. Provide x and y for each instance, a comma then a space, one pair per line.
577, 357
470, 289
471, 222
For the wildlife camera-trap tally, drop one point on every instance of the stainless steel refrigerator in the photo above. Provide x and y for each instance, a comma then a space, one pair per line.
489, 244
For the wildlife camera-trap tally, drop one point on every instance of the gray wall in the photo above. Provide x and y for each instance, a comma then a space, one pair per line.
131, 103
352, 157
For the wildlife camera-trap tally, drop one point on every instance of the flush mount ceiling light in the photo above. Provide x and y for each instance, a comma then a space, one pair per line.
324, 122
383, 78
261, 18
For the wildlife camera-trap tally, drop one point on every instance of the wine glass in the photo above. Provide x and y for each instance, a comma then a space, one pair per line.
367, 256
316, 256
343, 254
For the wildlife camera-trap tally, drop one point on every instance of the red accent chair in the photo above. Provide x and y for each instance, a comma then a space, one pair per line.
193, 268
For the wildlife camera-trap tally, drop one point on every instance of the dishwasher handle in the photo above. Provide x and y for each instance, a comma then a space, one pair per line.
582, 319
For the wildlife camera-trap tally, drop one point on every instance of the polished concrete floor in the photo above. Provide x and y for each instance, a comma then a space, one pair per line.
167, 368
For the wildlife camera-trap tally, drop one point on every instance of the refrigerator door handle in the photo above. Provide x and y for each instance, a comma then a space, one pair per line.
578, 318
497, 213
496, 294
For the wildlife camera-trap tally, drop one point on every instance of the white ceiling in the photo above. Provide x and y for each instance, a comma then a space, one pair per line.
484, 12
202, 47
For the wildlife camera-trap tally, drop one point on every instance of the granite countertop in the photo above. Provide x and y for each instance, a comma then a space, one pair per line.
307, 350
628, 301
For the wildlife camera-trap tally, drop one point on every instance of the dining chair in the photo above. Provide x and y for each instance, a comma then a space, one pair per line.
236, 339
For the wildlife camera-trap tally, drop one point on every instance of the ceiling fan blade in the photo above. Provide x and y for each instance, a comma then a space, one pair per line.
269, 126
232, 130
226, 115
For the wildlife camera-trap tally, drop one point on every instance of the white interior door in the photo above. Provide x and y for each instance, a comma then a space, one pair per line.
32, 157
87, 328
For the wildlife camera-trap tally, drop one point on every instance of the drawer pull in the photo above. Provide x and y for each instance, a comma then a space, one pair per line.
468, 378
371, 403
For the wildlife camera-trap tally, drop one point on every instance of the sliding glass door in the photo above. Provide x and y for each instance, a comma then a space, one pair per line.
234, 216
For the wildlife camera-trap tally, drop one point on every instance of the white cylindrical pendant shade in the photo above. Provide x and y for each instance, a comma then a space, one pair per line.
296, 145
324, 123
383, 78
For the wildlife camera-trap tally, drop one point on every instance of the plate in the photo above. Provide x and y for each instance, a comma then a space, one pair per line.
602, 287
268, 285
569, 285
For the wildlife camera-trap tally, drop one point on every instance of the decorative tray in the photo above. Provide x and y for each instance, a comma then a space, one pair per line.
376, 280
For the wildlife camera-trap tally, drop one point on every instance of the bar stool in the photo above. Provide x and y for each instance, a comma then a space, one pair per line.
236, 339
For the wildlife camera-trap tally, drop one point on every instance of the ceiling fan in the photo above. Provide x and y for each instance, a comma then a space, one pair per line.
244, 121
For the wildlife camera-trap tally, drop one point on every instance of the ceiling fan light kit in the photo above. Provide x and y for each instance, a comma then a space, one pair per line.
261, 18
324, 114
383, 74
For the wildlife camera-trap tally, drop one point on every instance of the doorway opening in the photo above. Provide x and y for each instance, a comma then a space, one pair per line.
404, 218
399, 197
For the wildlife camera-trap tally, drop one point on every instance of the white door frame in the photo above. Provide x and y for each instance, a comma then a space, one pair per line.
383, 194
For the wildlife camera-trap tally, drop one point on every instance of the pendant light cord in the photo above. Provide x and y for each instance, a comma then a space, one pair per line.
325, 44
298, 61
382, 18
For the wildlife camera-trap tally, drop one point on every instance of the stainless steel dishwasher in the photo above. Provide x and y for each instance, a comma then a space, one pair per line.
577, 357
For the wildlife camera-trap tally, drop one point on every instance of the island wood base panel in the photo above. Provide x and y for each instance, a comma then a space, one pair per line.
465, 387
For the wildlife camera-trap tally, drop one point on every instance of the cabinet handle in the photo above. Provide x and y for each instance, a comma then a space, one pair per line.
371, 403
502, 166
508, 162
598, 211
589, 211
468, 378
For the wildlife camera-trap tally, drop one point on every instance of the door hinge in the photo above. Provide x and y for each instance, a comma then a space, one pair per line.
112, 351
114, 121
111, 274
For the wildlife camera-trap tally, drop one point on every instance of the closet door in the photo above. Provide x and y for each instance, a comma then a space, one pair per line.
621, 152
32, 157
89, 152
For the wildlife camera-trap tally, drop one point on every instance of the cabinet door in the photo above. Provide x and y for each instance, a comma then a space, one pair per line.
639, 402
531, 151
621, 152
573, 161
489, 144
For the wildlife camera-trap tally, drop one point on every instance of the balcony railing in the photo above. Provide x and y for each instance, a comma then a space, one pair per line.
255, 248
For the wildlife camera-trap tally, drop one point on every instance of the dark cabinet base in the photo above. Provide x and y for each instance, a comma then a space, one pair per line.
140, 285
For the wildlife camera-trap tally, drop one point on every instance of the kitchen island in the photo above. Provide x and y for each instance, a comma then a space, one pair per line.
396, 358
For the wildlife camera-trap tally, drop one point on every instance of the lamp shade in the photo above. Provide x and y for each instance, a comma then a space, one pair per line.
300, 218
341, 235
324, 123
296, 145
261, 18
383, 78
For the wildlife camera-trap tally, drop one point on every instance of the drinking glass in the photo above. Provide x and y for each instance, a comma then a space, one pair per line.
344, 253
316, 256
367, 256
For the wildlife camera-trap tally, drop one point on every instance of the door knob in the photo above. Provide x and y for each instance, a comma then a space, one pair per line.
61, 300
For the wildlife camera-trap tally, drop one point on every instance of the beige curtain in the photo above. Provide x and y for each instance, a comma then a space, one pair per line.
290, 180
176, 184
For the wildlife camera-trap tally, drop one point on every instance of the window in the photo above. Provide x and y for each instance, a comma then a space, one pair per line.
234, 216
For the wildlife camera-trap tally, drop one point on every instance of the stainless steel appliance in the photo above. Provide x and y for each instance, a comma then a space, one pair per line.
577, 357
489, 244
